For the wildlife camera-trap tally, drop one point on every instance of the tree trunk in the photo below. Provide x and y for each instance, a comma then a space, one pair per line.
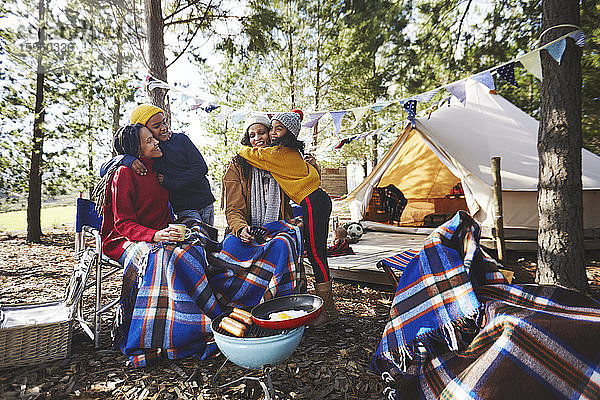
90, 147
156, 53
291, 66
374, 152
117, 108
560, 202
315, 136
34, 196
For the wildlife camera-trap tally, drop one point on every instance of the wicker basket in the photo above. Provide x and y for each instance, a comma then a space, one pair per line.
38, 339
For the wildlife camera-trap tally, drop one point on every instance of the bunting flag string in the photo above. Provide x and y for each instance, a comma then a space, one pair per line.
363, 135
531, 62
507, 73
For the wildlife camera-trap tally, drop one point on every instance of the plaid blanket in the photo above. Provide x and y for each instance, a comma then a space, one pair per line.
248, 274
537, 343
399, 261
171, 292
458, 331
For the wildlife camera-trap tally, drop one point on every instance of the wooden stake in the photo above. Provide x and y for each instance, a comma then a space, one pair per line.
498, 213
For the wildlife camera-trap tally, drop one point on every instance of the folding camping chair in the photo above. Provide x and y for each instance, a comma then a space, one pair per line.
398, 262
87, 226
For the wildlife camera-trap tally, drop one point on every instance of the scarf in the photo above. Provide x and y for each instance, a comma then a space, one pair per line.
265, 199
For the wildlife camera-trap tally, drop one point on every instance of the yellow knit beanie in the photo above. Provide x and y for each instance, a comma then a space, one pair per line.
142, 113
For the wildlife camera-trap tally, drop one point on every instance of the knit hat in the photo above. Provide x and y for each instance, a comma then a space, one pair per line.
291, 120
256, 118
142, 113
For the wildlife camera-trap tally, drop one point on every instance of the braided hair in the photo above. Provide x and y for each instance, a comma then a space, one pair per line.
125, 141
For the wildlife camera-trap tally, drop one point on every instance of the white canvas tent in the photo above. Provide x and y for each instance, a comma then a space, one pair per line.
455, 144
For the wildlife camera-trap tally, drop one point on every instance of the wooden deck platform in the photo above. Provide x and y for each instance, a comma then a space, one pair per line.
372, 247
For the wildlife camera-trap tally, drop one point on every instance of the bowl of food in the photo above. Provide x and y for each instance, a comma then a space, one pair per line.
287, 312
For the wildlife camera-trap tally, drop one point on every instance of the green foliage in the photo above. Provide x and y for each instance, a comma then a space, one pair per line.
79, 60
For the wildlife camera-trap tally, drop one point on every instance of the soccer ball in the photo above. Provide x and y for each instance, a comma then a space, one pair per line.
355, 230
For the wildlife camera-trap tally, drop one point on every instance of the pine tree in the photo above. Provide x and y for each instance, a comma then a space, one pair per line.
560, 201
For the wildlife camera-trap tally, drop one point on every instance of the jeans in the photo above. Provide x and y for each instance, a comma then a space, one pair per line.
206, 215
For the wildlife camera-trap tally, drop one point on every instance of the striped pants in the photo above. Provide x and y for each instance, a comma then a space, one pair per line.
316, 209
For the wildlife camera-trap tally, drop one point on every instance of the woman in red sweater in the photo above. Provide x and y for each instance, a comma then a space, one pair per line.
136, 207
166, 302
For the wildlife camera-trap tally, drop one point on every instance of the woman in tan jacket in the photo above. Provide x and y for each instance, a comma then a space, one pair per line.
252, 196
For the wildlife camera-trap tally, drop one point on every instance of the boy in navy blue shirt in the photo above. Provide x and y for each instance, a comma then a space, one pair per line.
182, 169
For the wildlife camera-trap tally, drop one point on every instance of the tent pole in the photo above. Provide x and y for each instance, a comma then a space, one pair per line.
498, 213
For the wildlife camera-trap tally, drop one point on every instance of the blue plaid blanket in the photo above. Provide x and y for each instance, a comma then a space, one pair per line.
435, 295
399, 261
458, 331
171, 292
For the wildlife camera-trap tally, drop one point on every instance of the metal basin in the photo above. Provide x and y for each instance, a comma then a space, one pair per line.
255, 353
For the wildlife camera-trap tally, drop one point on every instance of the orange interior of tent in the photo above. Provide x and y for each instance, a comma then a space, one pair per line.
423, 179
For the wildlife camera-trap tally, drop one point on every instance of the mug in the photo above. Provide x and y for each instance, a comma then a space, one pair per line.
181, 228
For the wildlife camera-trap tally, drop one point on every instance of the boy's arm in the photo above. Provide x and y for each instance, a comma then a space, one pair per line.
121, 159
196, 167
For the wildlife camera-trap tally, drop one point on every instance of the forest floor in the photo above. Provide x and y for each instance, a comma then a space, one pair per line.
329, 363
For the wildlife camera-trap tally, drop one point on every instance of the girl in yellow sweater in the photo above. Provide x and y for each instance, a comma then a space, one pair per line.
300, 181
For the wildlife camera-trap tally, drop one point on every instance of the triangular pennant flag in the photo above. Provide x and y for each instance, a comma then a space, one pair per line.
359, 112
144, 82
337, 116
532, 63
199, 103
579, 38
184, 98
211, 107
312, 119
486, 79
507, 72
238, 116
380, 105
224, 113
411, 108
557, 49
457, 89
427, 96
343, 142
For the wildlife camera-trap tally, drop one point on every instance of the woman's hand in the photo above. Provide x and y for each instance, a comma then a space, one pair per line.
138, 167
167, 235
245, 235
160, 177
